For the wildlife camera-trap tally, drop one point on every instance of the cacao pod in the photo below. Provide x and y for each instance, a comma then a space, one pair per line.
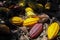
29, 11
40, 5
4, 28
36, 30
48, 5
17, 20
52, 30
30, 21
22, 3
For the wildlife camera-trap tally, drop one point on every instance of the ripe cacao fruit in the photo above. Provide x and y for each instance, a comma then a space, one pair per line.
29, 11
17, 20
22, 3
48, 5
30, 21
52, 30
36, 30
40, 5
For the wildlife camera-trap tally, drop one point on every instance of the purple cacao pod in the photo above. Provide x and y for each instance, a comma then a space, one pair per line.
36, 30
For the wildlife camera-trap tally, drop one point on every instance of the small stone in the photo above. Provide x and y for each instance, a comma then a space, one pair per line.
38, 38
2, 22
44, 38
41, 34
22, 38
26, 37
24, 29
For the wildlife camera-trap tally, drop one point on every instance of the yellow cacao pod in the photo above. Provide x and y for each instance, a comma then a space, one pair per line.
17, 20
53, 30
21, 3
30, 21
47, 6
29, 11
39, 5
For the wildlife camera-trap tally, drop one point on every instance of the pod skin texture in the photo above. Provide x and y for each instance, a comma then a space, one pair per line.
29, 11
17, 20
30, 21
36, 30
53, 30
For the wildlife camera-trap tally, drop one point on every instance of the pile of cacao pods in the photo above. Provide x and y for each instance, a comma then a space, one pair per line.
26, 24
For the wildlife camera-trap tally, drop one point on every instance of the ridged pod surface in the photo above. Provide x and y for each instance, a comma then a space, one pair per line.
30, 21
17, 20
36, 30
29, 11
53, 30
